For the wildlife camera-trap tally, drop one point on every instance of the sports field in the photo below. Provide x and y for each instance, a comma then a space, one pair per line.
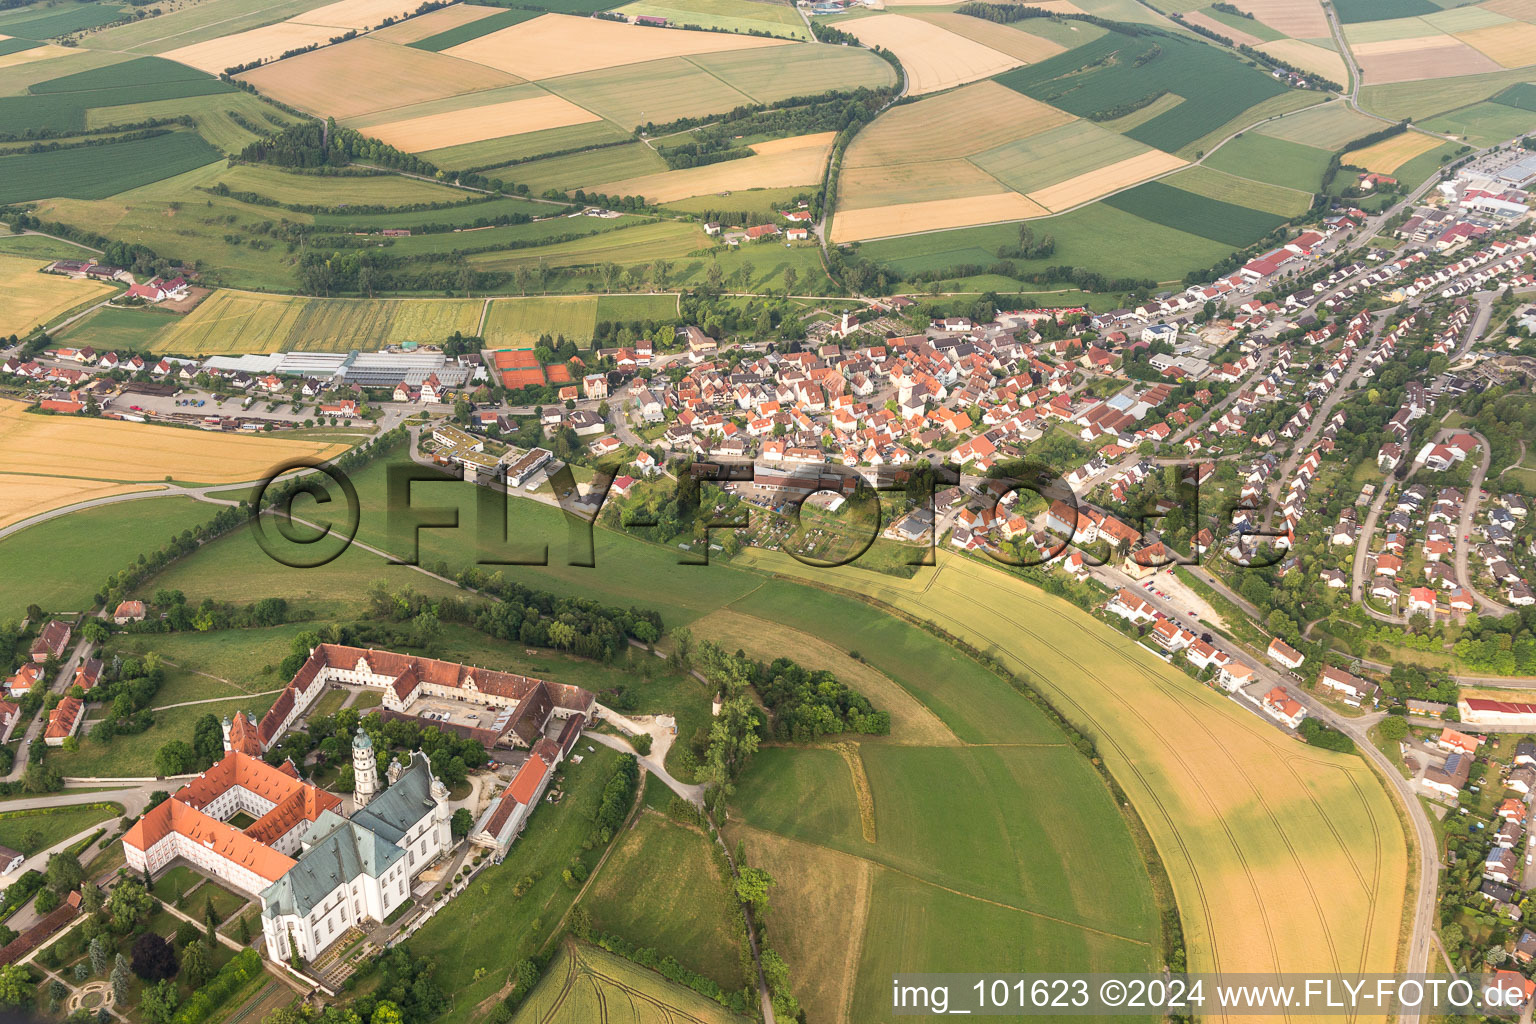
1388, 155
556, 44
235, 321
587, 985
1284, 857
366, 74
33, 299
934, 58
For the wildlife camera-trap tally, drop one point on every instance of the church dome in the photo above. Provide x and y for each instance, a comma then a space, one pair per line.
361, 741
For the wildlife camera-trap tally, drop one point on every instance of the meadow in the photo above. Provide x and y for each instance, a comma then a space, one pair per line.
724, 15
526, 145
343, 189
661, 889
1483, 124
96, 172
1096, 237
1424, 99
1231, 836
221, 663
133, 755
225, 120
580, 170
33, 298
463, 214
48, 827
63, 558
518, 322
1242, 192
587, 985
1117, 69
1272, 160
61, 102
234, 321
641, 244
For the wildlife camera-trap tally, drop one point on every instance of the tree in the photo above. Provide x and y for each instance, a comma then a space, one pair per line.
64, 873
610, 272
194, 965
661, 272
1394, 727
15, 986
207, 740
56, 993
365, 279
175, 758
462, 822
211, 920
790, 276
752, 886
129, 901
153, 957
386, 1012
98, 956
464, 277
121, 980
158, 1002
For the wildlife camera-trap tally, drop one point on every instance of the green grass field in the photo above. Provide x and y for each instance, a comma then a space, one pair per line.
62, 102
51, 826
641, 244
110, 328
578, 170
1252, 26
587, 985
1351, 11
1424, 99
340, 190
503, 151
100, 171
1096, 237
42, 247
196, 23
1117, 69
241, 660
1241, 192
760, 202
49, 22
65, 559
660, 888
495, 929
518, 322
133, 756
1485, 124
217, 117
1416, 171
465, 214
1329, 126
1056, 155
1272, 160
779, 72
1172, 207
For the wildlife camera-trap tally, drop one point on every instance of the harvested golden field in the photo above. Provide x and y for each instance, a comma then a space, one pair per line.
894, 184
934, 215
558, 44
430, 24
796, 161
1238, 36
969, 120
46, 51
88, 457
1523, 10
265, 43
358, 14
1388, 155
1013, 41
1308, 57
1512, 45
365, 74
1299, 19
1122, 174
934, 59
1283, 857
476, 124
1408, 60
32, 298
24, 495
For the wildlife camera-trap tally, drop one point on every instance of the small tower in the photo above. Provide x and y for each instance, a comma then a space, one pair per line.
365, 770
226, 726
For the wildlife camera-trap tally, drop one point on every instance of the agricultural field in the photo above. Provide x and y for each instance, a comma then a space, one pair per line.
60, 102
640, 244
527, 145
587, 985
778, 164
661, 889
235, 321
425, 27
934, 59
118, 453
62, 558
460, 128
41, 247
1389, 154
1483, 124
1330, 839
114, 328
100, 171
1418, 58
341, 189
1296, 19
1318, 60
48, 21
1355, 11
34, 298
365, 74
1194, 211
225, 120
1327, 126
1273, 160
1115, 70
215, 46
776, 19
1425, 99
1043, 38
518, 322
556, 45
484, 21
1097, 237
1242, 192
